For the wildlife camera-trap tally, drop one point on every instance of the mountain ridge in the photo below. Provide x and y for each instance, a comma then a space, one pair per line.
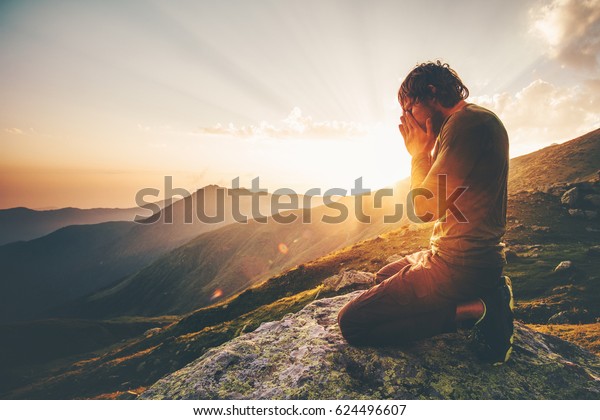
24, 224
569, 162
79, 259
228, 260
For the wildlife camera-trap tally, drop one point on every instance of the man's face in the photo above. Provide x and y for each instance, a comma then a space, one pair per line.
422, 110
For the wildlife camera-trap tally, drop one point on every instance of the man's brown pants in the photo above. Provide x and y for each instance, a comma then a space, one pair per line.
415, 297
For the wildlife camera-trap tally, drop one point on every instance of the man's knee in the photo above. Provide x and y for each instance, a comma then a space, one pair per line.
343, 319
391, 269
349, 327
381, 276
385, 273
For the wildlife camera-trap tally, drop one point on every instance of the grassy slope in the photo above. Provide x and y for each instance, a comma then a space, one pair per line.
586, 335
30, 348
575, 160
541, 291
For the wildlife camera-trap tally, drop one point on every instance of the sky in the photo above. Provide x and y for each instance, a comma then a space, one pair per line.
100, 99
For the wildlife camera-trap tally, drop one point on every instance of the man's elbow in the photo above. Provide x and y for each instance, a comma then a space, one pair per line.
423, 211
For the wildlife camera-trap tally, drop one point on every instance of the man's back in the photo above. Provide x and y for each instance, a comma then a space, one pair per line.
472, 151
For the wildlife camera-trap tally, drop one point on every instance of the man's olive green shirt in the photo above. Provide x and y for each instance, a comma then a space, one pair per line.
472, 151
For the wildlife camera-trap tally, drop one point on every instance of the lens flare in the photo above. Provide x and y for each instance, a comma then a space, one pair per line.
216, 294
282, 248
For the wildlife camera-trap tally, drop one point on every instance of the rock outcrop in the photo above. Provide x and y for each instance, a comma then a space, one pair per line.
570, 197
564, 266
303, 356
582, 200
349, 278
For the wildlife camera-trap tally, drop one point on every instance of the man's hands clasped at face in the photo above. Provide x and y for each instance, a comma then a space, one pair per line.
416, 139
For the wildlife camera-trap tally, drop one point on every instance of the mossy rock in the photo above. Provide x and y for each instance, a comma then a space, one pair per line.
304, 356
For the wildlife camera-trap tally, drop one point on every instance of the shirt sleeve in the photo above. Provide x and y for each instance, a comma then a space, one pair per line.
461, 146
419, 168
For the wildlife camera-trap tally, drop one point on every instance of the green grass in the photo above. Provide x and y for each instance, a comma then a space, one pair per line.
586, 335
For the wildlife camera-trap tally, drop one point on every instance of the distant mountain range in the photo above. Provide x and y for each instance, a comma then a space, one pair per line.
77, 260
23, 224
219, 263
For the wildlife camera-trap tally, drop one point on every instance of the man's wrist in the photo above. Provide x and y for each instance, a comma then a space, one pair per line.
423, 156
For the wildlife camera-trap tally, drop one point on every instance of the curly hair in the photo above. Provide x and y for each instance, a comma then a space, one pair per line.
447, 89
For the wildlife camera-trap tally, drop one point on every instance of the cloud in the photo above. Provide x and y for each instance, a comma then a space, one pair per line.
542, 113
16, 131
572, 30
294, 126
